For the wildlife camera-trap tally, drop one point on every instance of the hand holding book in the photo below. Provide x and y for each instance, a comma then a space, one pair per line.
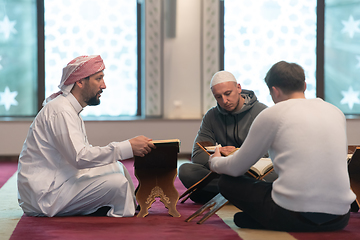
216, 153
209, 148
141, 145
227, 150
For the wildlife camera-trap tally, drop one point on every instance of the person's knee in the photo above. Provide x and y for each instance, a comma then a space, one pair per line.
183, 170
185, 174
191, 173
115, 181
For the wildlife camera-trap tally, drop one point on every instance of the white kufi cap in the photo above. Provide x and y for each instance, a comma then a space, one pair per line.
222, 76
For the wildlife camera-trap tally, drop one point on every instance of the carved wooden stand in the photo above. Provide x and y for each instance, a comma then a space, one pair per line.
157, 183
156, 173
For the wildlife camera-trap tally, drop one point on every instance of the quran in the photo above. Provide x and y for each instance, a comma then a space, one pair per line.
167, 141
353, 153
259, 170
209, 148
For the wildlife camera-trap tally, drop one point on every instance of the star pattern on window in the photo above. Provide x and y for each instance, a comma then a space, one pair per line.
351, 26
7, 27
358, 59
350, 97
7, 98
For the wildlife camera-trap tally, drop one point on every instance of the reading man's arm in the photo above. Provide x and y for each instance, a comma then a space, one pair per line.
254, 147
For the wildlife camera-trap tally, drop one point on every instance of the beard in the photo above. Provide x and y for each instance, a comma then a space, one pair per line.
93, 101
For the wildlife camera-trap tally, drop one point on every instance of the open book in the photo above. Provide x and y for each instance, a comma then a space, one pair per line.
353, 153
259, 170
210, 149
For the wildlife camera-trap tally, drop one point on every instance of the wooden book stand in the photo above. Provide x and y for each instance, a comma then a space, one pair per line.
354, 174
214, 205
156, 173
200, 184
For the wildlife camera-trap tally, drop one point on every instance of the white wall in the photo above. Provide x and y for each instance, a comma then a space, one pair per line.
100, 133
182, 64
353, 131
13, 134
181, 88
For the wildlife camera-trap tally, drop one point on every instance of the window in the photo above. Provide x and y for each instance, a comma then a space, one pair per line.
342, 54
18, 58
72, 28
92, 27
259, 33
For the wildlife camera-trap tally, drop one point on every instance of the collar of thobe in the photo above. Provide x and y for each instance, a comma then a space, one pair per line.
74, 102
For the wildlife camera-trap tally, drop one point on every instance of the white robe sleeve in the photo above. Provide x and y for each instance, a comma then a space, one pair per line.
71, 141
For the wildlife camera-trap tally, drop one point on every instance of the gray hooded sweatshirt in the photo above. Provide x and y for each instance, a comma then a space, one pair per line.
226, 128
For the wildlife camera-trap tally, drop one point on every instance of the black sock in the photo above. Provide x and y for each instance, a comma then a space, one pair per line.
100, 212
243, 220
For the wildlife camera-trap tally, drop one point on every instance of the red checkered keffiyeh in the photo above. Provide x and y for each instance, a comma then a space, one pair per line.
77, 69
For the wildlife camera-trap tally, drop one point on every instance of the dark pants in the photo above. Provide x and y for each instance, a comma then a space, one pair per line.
191, 173
253, 197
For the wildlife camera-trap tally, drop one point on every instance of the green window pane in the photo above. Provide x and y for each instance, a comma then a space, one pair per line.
342, 55
18, 58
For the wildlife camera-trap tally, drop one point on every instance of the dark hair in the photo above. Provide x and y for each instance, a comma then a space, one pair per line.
289, 77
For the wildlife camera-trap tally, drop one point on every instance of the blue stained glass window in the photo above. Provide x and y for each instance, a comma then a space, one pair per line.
92, 27
18, 58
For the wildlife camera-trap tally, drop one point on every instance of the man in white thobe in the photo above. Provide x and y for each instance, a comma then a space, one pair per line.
59, 172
